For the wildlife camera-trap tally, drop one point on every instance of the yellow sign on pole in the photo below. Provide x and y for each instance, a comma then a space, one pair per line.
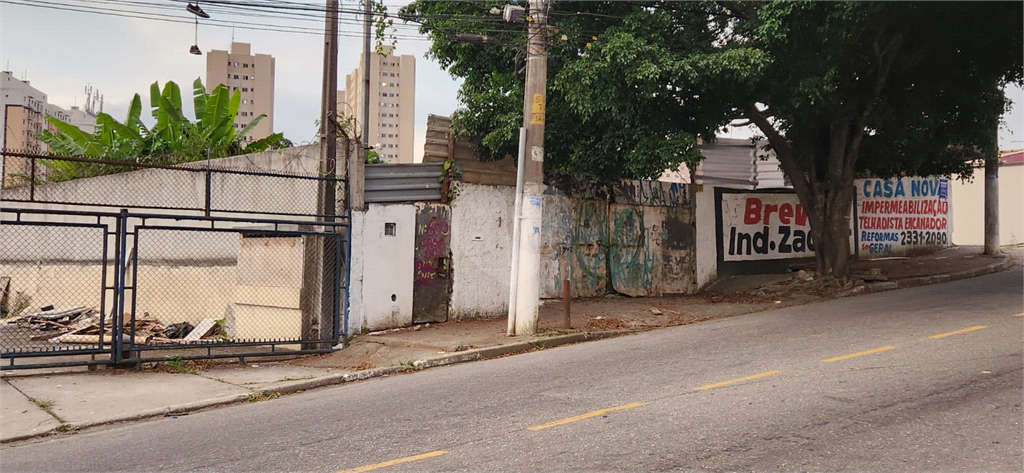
537, 119
538, 103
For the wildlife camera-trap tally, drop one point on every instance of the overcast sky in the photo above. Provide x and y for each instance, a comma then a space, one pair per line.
61, 51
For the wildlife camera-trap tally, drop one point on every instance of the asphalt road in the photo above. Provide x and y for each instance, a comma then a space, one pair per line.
926, 379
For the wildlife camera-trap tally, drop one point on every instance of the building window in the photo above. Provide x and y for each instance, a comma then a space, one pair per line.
229, 63
245, 89
245, 77
229, 76
236, 76
236, 64
252, 77
245, 65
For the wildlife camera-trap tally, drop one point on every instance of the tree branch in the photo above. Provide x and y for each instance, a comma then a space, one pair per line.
784, 153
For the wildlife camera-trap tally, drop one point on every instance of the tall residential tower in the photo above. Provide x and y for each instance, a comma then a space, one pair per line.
251, 75
392, 103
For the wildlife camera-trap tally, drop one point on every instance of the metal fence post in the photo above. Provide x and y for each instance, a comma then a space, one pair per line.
117, 334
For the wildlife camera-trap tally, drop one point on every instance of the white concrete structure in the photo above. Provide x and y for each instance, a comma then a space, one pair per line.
82, 119
253, 77
392, 103
968, 202
382, 268
481, 247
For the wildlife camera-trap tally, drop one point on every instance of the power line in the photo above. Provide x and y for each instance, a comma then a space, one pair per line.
161, 16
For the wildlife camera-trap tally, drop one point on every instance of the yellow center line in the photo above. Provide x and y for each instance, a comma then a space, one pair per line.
585, 416
1019, 315
860, 353
396, 461
958, 332
737, 380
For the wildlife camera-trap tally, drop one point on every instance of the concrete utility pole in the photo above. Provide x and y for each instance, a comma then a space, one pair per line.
319, 276
534, 103
367, 16
992, 205
329, 115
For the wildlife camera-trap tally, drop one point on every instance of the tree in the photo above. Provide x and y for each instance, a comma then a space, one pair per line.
884, 89
839, 89
172, 140
641, 134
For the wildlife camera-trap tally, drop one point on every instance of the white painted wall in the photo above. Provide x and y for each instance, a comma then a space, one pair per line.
706, 236
482, 223
387, 265
968, 207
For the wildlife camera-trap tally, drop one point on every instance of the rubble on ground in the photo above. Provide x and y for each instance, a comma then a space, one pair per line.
82, 326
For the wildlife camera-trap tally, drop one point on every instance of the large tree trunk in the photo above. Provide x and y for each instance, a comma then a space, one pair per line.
830, 229
824, 186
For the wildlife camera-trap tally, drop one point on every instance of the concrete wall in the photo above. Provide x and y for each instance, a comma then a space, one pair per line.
903, 216
968, 202
387, 267
646, 241
706, 238
481, 236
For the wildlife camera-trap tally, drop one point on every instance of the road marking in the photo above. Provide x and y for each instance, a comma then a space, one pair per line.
585, 416
1019, 315
860, 353
396, 461
737, 380
958, 332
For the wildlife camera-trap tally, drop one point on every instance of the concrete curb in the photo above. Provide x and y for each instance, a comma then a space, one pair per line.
1004, 264
502, 350
330, 380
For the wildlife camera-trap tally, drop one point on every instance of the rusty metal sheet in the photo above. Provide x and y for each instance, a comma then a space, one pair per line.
432, 283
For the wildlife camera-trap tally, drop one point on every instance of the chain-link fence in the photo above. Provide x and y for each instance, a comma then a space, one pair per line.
223, 186
194, 263
56, 286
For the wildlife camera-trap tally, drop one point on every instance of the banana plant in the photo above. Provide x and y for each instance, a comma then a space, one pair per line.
173, 138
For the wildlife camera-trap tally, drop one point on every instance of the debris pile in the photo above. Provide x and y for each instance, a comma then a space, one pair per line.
81, 326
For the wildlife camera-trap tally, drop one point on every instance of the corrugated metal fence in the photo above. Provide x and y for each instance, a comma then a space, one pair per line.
392, 183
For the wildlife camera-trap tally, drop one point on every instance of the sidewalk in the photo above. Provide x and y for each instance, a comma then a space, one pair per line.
44, 402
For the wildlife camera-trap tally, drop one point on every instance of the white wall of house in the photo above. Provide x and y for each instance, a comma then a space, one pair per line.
968, 202
481, 236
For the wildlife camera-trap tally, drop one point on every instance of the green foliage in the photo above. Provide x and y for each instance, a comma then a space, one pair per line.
588, 134
174, 139
839, 89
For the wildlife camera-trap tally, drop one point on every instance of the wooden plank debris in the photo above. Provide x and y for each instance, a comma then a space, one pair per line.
203, 330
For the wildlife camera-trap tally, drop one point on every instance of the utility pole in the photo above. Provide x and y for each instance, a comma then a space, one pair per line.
319, 276
326, 197
534, 103
992, 199
366, 78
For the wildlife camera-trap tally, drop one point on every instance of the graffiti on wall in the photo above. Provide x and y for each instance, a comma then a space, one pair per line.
589, 237
897, 216
651, 193
630, 257
432, 263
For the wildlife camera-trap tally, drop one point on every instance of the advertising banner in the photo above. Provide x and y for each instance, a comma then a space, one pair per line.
764, 226
897, 216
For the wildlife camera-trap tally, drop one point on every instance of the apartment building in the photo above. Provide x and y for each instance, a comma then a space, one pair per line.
22, 112
392, 103
252, 75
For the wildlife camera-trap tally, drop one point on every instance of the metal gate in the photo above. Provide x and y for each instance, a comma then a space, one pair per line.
233, 278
